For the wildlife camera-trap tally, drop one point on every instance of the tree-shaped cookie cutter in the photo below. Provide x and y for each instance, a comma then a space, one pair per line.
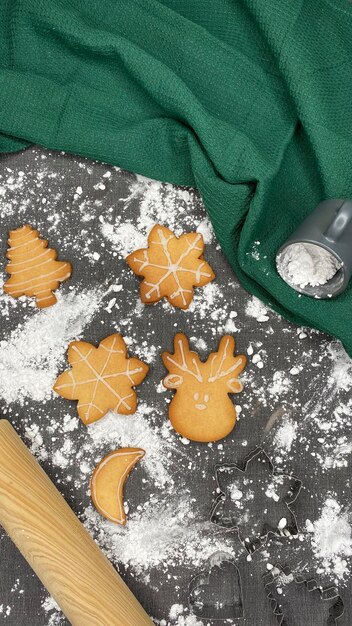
235, 487
309, 599
216, 593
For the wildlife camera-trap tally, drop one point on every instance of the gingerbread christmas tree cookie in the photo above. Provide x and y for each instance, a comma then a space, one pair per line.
201, 410
33, 268
101, 379
171, 267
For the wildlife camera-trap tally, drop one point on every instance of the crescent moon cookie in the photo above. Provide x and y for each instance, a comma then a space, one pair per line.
108, 480
171, 267
201, 410
33, 268
101, 379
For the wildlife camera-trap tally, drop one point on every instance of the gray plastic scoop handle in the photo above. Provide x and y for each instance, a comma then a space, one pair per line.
328, 226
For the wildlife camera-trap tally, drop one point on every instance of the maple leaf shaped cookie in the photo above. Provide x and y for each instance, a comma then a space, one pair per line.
101, 379
171, 266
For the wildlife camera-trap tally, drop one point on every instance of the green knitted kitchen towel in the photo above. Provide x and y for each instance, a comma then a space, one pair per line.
249, 100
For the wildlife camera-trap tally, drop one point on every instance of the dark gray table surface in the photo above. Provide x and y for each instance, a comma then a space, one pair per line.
296, 403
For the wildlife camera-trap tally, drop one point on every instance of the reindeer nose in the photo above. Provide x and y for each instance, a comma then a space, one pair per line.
201, 407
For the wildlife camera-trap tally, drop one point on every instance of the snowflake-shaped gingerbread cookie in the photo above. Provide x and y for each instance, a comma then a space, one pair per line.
171, 267
101, 379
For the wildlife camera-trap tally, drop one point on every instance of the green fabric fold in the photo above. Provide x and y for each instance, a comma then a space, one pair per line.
247, 100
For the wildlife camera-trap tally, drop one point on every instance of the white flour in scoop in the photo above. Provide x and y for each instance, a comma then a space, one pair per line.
305, 264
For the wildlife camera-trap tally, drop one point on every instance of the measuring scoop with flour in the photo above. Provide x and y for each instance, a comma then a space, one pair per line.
317, 259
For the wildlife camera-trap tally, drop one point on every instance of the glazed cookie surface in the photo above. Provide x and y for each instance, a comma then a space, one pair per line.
171, 267
101, 378
108, 480
201, 410
33, 268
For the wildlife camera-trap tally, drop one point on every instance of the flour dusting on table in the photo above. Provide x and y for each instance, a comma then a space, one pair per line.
296, 401
332, 539
286, 434
32, 354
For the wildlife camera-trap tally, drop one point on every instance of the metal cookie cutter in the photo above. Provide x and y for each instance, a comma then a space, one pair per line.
329, 227
216, 593
254, 500
299, 600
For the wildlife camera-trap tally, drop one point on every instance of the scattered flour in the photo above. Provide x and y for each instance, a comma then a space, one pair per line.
304, 264
339, 456
7, 304
286, 433
5, 611
255, 308
175, 611
158, 203
33, 433
166, 527
179, 617
207, 302
281, 578
160, 534
341, 372
205, 228
136, 431
187, 620
31, 356
123, 237
332, 539
11, 185
49, 604
280, 385
235, 493
50, 607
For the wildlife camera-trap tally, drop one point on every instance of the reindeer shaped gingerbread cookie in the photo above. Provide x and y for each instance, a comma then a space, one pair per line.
201, 410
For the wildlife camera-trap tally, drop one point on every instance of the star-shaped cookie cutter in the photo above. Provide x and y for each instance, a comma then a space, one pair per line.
286, 526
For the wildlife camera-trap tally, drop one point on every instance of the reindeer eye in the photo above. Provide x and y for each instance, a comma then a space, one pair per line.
206, 398
196, 396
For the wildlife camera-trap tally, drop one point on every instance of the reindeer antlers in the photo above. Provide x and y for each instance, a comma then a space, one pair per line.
219, 365
223, 363
183, 359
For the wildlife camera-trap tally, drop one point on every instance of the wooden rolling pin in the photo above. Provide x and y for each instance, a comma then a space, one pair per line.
57, 546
